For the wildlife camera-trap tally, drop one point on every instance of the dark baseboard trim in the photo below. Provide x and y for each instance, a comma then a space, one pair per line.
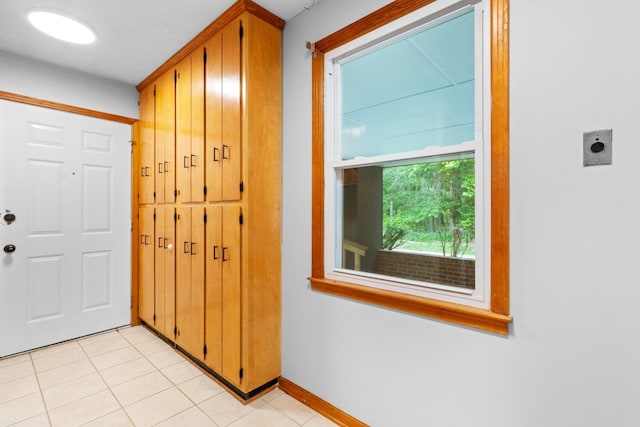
243, 397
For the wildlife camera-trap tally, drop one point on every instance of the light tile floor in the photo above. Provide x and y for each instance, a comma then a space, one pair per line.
130, 377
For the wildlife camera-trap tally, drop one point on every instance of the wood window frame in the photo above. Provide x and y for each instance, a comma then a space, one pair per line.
496, 318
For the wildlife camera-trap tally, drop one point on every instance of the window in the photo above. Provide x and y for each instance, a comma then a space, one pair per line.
410, 173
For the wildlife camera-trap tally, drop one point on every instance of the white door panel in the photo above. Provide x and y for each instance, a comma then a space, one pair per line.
66, 177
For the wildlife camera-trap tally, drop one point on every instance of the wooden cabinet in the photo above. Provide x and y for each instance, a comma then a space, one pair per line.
190, 279
223, 114
146, 292
147, 132
223, 317
218, 167
165, 138
165, 248
261, 201
190, 128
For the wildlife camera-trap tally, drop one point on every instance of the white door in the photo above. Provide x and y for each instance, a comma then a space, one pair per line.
66, 178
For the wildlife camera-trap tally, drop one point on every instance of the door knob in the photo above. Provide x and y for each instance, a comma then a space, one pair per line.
9, 248
9, 218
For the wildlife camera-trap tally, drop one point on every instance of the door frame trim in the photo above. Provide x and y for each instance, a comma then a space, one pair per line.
38, 102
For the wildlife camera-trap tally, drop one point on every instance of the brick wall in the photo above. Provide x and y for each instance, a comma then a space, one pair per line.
427, 268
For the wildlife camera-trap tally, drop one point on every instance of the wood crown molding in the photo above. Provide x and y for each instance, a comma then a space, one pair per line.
65, 107
229, 15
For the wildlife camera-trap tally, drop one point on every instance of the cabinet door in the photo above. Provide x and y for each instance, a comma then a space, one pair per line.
213, 117
146, 305
165, 138
190, 128
146, 141
223, 114
183, 130
197, 126
231, 111
231, 294
190, 280
165, 267
213, 289
223, 293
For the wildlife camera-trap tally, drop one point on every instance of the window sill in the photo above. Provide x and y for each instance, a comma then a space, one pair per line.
450, 312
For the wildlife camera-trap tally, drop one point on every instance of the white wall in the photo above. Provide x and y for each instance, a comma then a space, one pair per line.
572, 357
39, 80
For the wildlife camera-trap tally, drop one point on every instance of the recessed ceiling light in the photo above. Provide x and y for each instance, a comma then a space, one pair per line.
61, 27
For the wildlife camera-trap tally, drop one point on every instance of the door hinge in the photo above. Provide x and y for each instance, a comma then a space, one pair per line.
175, 76
241, 186
241, 31
205, 218
204, 56
154, 215
204, 350
241, 373
241, 219
175, 193
175, 330
204, 190
175, 217
154, 318
154, 194
154, 91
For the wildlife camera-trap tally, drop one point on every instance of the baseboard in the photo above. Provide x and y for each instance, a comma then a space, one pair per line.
319, 405
243, 397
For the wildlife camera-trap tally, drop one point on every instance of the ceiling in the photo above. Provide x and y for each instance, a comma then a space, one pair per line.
133, 37
415, 92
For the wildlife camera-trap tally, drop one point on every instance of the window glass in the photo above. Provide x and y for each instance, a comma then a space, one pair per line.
414, 92
414, 221
411, 161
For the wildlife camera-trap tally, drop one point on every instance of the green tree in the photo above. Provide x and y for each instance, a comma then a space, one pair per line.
436, 197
